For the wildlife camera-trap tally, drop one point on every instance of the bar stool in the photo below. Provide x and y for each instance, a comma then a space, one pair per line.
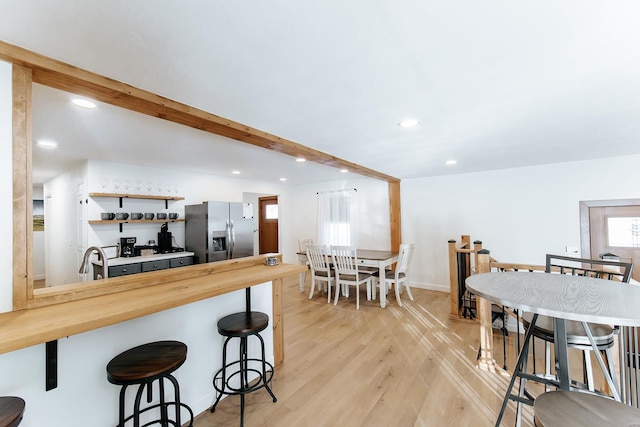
11, 411
233, 378
143, 365
574, 408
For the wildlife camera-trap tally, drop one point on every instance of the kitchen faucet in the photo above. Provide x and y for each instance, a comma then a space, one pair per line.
84, 268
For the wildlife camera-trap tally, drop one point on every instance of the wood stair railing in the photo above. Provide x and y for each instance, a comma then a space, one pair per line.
465, 260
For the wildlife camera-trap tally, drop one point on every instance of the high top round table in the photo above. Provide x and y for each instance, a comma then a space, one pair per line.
579, 298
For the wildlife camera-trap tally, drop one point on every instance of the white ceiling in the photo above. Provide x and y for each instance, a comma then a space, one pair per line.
495, 84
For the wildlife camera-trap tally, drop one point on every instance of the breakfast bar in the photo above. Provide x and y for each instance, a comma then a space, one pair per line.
163, 290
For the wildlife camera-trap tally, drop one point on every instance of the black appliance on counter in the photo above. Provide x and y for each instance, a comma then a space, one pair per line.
127, 246
165, 240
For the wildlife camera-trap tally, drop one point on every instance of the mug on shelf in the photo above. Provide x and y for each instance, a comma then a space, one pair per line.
122, 215
107, 215
161, 215
173, 215
148, 215
136, 215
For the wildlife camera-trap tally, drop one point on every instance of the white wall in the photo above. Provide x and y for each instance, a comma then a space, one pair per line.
519, 214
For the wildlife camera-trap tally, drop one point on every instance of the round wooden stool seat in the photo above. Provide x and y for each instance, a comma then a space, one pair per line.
11, 411
243, 324
146, 362
573, 408
141, 366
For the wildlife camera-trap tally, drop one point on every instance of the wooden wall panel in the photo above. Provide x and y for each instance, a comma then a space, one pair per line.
395, 215
22, 199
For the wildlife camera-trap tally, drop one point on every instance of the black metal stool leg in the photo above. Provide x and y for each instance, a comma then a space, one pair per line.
244, 376
136, 407
164, 415
264, 370
223, 373
242, 410
516, 369
123, 390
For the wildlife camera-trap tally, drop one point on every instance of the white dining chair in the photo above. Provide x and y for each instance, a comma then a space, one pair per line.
397, 276
302, 257
302, 248
345, 264
318, 258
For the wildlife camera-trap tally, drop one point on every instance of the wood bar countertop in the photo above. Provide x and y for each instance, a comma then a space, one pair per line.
151, 293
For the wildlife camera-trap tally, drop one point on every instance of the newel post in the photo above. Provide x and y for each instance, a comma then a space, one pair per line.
477, 246
484, 261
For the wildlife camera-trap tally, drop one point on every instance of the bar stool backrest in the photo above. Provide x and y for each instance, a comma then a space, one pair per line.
599, 268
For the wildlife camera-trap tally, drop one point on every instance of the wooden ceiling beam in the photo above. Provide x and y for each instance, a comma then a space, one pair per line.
66, 77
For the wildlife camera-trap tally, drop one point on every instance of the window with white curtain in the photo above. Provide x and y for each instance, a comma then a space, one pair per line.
337, 217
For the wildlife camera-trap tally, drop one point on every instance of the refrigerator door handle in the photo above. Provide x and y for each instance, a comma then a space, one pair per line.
233, 239
228, 232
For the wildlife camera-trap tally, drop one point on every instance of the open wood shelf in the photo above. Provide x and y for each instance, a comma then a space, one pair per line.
131, 221
135, 196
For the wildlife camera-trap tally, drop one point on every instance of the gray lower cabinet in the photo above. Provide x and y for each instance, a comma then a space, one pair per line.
142, 267
180, 262
155, 265
123, 270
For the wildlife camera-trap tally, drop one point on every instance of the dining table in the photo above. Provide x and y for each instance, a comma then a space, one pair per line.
369, 258
563, 297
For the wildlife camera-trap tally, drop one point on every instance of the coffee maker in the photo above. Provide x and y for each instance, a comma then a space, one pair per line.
165, 241
127, 245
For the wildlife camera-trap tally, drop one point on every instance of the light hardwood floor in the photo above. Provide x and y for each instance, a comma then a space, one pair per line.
409, 366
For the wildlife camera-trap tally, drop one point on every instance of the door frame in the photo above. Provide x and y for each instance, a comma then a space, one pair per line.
261, 201
585, 229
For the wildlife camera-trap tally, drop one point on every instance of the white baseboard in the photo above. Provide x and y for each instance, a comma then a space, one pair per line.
429, 286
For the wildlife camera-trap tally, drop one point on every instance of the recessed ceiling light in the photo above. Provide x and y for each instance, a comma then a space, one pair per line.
344, 170
301, 159
84, 103
283, 179
408, 123
235, 172
450, 162
46, 143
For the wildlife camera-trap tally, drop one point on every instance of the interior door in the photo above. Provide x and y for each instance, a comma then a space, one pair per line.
615, 228
268, 224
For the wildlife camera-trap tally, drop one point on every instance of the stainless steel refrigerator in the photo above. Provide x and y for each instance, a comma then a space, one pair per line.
216, 231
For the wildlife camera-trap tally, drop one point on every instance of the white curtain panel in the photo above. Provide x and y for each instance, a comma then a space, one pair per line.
337, 217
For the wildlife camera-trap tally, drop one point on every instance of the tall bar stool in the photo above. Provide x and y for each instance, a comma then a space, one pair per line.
11, 411
142, 366
233, 377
